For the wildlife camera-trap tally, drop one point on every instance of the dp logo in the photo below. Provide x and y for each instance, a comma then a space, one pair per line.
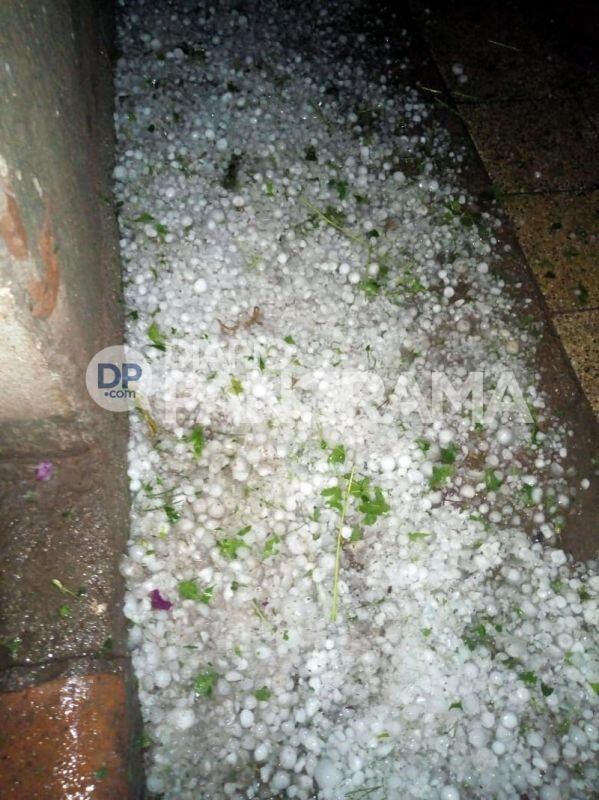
116, 377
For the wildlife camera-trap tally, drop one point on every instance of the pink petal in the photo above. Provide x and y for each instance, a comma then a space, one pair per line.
159, 603
44, 471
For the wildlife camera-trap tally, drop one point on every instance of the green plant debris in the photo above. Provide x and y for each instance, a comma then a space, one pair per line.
101, 773
310, 153
423, 445
13, 646
477, 636
236, 387
582, 294
230, 180
189, 590
441, 474
337, 455
546, 689
244, 530
418, 536
457, 705
263, 694
342, 510
157, 337
448, 454
204, 683
289, 339
171, 513
271, 546
64, 611
492, 481
426, 632
62, 588
196, 439
228, 548
529, 678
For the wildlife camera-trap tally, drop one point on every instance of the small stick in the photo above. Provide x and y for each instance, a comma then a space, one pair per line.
338, 548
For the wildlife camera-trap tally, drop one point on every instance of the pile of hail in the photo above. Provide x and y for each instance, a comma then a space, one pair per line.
333, 591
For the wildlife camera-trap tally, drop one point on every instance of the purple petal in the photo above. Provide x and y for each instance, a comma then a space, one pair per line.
44, 471
159, 602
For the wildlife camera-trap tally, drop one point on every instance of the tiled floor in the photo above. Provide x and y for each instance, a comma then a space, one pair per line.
531, 105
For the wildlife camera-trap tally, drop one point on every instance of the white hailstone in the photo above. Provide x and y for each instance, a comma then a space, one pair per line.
261, 752
457, 69
280, 780
326, 774
387, 463
162, 678
482, 268
200, 286
445, 437
288, 757
449, 793
509, 720
238, 201
246, 718
504, 436
221, 144
354, 277
182, 718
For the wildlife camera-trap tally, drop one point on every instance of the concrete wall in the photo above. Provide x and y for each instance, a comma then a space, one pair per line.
59, 269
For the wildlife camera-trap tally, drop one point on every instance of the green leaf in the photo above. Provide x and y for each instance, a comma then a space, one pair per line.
424, 445
271, 546
64, 611
172, 514
441, 474
582, 294
189, 590
261, 364
341, 187
448, 454
492, 482
243, 531
457, 705
157, 338
417, 536
204, 683
547, 690
236, 386
373, 507
334, 497
289, 339
144, 218
529, 678
337, 455
426, 632
263, 694
13, 646
196, 439
584, 594
310, 153
228, 547
594, 687
356, 535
